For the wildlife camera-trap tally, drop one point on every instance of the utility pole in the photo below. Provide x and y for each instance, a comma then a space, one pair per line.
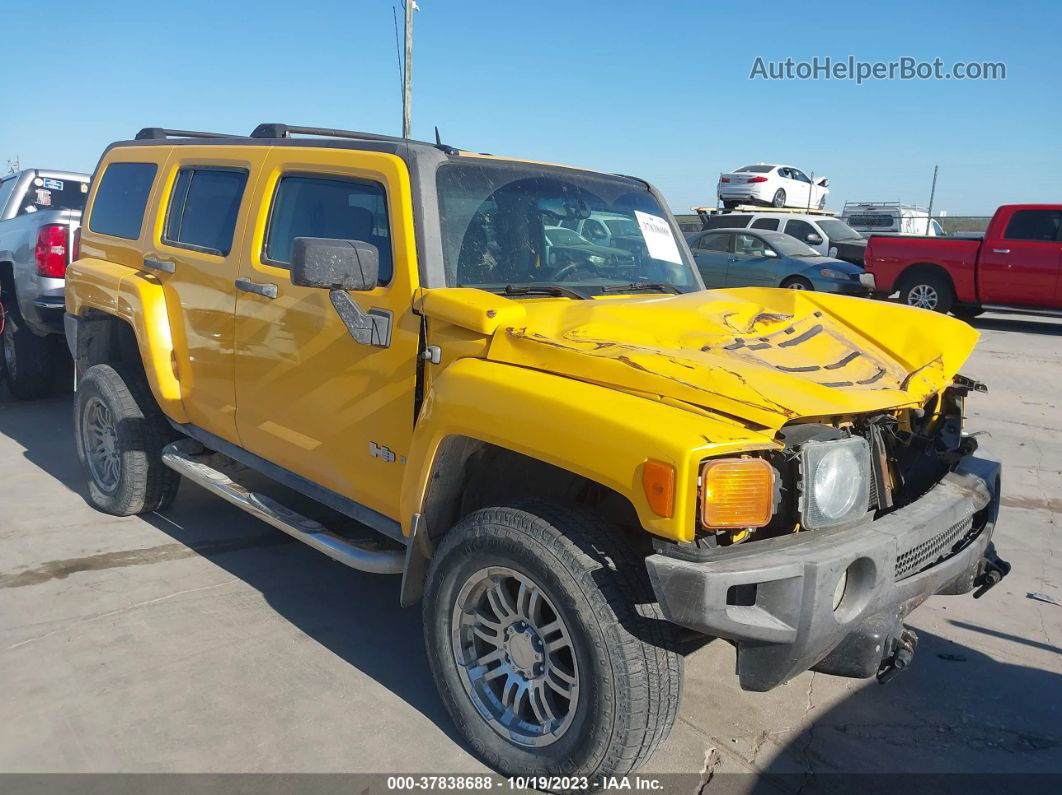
932, 193
407, 70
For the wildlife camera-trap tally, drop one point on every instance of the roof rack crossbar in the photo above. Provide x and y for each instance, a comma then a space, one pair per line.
154, 133
287, 130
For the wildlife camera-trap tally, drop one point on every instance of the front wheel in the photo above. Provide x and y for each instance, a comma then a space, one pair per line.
547, 645
928, 291
120, 433
797, 283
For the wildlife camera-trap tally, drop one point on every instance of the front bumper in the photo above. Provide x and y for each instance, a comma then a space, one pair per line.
775, 598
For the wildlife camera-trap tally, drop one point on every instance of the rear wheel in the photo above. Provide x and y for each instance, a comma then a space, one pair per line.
120, 433
797, 283
547, 645
779, 198
928, 291
27, 359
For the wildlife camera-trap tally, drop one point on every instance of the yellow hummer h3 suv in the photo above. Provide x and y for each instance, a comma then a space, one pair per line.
575, 457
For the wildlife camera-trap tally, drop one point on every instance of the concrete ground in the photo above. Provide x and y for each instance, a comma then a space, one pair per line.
205, 641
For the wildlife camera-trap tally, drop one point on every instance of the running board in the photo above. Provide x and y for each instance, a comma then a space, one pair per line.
183, 457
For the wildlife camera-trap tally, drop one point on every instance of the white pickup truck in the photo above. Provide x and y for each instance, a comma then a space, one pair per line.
40, 214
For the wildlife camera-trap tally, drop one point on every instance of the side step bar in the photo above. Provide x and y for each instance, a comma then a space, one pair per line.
182, 457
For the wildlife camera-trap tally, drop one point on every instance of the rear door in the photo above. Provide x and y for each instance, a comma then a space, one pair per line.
711, 252
195, 251
1022, 267
749, 265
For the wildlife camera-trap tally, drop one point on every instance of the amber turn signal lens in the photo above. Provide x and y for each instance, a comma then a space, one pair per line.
658, 480
737, 492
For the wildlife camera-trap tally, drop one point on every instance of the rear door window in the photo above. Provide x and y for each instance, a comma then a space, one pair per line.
727, 221
51, 193
765, 223
337, 208
118, 208
203, 209
1041, 225
7, 187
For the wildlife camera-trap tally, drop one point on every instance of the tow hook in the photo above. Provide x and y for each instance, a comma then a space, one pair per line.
993, 569
900, 655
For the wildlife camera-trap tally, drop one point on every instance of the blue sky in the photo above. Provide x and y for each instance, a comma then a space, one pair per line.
655, 89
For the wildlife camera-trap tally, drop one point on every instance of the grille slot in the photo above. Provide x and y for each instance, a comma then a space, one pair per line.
932, 550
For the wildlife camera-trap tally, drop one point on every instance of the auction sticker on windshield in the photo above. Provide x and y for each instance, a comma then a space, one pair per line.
658, 237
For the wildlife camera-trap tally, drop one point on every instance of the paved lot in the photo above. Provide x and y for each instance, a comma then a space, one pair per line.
205, 641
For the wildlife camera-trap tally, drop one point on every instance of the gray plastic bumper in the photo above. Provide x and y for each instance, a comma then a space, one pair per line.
775, 598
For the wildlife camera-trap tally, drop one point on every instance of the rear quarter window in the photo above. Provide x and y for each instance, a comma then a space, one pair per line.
118, 207
765, 223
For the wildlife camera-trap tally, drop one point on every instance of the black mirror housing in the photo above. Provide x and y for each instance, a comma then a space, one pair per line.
334, 264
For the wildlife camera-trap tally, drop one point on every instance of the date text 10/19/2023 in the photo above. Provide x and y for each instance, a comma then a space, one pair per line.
519, 783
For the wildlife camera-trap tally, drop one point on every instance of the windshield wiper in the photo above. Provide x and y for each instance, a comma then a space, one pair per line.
541, 289
657, 286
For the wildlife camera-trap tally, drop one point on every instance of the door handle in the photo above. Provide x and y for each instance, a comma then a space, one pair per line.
158, 265
264, 290
1001, 251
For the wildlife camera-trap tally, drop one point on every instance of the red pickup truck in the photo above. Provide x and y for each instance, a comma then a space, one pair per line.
1015, 266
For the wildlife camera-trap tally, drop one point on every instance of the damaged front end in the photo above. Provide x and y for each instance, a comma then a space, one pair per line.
829, 592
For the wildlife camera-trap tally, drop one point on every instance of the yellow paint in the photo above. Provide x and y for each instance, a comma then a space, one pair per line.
597, 387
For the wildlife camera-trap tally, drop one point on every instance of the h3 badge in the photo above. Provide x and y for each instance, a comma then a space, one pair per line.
381, 452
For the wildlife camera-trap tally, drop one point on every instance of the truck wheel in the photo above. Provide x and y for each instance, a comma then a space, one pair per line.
547, 645
27, 360
928, 291
120, 433
779, 198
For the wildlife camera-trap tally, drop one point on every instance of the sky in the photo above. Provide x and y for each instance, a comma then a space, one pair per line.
659, 90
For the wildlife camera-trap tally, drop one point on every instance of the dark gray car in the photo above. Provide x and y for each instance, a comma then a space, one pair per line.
761, 258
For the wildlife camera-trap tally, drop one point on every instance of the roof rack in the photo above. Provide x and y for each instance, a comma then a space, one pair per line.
157, 133
287, 130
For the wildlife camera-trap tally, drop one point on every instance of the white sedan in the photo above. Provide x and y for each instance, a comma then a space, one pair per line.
774, 185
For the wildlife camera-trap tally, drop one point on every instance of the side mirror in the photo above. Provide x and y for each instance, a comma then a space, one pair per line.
338, 266
770, 252
813, 239
334, 264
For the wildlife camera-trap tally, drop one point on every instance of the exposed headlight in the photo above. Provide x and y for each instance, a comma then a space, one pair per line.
830, 273
596, 260
836, 481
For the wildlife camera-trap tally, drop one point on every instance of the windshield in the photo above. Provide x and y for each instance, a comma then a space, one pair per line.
559, 236
788, 246
502, 225
838, 230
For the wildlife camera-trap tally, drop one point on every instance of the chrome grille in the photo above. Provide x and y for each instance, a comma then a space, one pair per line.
932, 550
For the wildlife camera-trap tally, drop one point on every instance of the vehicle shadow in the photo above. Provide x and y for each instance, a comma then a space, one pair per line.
1027, 326
957, 720
354, 615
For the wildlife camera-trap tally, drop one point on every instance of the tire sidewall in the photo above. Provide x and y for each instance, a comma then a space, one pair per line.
129, 493
774, 199
943, 289
585, 742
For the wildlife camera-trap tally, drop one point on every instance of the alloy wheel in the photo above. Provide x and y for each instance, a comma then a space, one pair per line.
100, 438
924, 296
515, 656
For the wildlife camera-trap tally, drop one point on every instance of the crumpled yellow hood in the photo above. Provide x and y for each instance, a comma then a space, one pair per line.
767, 356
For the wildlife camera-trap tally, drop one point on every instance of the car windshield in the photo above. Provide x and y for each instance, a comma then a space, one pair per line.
501, 225
755, 169
838, 230
559, 236
623, 226
788, 246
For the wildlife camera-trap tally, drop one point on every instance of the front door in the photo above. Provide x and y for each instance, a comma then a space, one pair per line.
195, 249
750, 265
310, 398
1022, 268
